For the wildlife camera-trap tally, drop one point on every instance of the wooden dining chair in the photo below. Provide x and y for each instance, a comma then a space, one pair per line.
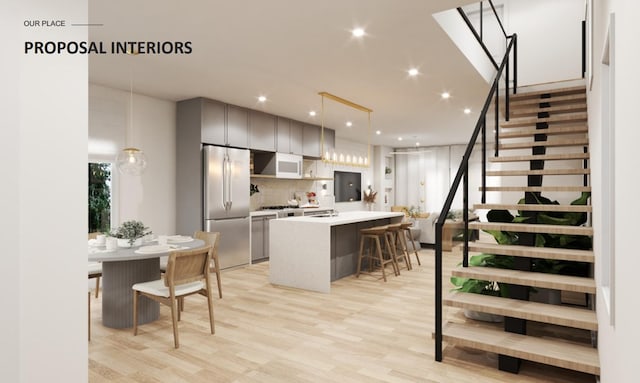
187, 274
95, 268
210, 239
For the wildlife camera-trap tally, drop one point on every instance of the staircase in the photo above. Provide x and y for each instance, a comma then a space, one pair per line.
548, 129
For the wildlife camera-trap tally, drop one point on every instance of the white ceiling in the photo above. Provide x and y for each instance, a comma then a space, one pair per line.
289, 50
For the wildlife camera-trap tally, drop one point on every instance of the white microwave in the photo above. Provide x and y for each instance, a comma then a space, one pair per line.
288, 165
280, 165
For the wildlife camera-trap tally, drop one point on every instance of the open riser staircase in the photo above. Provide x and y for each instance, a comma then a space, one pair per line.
544, 144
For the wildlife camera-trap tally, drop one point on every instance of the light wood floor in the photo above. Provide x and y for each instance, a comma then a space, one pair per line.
364, 331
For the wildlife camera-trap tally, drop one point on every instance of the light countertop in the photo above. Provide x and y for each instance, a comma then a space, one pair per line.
344, 218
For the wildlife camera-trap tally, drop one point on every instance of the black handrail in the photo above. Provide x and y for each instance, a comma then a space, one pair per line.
463, 171
498, 18
477, 36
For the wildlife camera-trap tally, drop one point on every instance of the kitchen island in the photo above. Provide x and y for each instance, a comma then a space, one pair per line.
310, 252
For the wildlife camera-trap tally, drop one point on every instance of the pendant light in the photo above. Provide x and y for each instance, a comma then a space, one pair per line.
131, 160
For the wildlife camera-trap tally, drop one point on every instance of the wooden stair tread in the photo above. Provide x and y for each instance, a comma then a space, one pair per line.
532, 228
551, 172
533, 111
515, 308
525, 103
557, 130
534, 207
528, 278
542, 350
537, 188
541, 157
549, 143
534, 252
580, 89
527, 121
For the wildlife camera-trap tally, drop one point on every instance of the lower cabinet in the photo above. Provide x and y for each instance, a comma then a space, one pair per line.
345, 247
260, 238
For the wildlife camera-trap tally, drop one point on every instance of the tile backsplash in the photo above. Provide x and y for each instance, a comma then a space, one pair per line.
279, 191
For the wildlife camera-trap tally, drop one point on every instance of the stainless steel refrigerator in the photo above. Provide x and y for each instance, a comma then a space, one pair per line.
226, 202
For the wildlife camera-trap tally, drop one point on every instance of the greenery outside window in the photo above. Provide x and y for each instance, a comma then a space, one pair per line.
99, 197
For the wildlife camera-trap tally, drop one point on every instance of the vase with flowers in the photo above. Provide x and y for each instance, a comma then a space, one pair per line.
370, 197
311, 197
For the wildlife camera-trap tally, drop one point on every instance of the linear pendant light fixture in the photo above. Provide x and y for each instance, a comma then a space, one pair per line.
131, 160
339, 158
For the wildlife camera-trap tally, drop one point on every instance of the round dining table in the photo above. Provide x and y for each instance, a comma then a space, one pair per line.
124, 267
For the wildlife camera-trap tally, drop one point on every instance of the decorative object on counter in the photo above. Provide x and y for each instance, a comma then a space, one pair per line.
130, 233
253, 189
340, 158
311, 196
370, 196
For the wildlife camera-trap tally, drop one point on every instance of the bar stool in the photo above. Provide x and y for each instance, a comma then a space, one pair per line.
398, 245
406, 227
376, 255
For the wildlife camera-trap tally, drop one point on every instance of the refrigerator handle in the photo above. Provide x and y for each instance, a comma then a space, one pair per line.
300, 167
225, 170
229, 183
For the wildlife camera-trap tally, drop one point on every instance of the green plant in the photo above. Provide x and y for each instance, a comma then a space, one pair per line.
99, 197
542, 240
547, 240
477, 286
131, 230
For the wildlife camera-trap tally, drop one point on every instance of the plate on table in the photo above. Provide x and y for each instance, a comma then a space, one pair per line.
179, 239
152, 249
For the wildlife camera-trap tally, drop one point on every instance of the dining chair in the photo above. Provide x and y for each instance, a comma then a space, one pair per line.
187, 274
210, 239
95, 268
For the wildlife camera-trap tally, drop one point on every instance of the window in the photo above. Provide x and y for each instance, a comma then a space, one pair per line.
100, 201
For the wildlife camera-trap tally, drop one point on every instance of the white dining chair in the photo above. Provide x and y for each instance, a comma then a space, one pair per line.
95, 268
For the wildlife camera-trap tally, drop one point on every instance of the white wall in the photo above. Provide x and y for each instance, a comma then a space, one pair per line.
151, 197
618, 342
44, 199
549, 38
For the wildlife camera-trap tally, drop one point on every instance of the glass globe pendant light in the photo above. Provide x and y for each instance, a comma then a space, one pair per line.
131, 160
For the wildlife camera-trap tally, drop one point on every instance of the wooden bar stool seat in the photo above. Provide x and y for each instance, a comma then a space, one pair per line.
374, 254
406, 227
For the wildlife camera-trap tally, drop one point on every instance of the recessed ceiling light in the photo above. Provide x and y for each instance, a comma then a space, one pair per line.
413, 72
445, 95
349, 123
399, 138
417, 144
312, 113
357, 32
467, 110
262, 98
378, 132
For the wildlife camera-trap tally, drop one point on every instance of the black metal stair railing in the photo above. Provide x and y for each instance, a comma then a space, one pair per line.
462, 174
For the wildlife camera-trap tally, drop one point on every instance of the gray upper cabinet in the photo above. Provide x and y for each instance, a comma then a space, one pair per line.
237, 126
329, 141
311, 141
262, 131
289, 136
295, 137
213, 129
224, 124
